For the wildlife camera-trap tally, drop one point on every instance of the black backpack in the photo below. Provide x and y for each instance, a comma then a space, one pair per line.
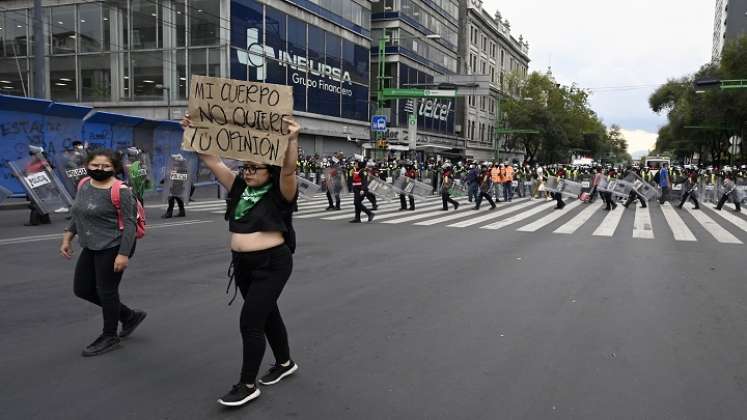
656, 177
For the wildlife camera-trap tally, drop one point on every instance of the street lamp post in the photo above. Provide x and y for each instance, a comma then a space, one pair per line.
168, 98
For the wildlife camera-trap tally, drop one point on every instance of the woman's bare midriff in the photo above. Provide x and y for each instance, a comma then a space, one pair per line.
256, 241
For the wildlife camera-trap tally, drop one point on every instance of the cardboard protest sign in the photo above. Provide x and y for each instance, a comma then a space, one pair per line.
238, 119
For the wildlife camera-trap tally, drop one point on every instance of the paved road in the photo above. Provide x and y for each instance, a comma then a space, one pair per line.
398, 320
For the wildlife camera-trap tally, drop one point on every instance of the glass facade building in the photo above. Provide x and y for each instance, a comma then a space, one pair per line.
137, 56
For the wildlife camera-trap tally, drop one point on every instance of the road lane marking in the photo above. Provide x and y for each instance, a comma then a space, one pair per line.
642, 224
720, 234
574, 224
609, 225
731, 217
679, 229
54, 236
519, 217
549, 218
459, 215
495, 214
389, 213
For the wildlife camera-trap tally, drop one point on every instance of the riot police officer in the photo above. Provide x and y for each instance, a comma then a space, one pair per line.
360, 187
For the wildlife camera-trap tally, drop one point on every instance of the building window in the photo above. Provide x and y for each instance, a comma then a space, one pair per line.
147, 32
204, 22
63, 30
95, 77
13, 37
94, 27
62, 78
147, 72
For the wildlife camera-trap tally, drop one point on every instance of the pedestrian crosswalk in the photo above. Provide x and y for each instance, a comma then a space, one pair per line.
540, 217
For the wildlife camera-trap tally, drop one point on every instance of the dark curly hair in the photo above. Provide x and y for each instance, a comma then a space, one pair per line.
113, 157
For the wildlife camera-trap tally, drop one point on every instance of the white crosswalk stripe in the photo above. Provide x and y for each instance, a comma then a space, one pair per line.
495, 214
735, 220
547, 219
609, 225
574, 224
389, 212
459, 214
642, 228
720, 234
519, 217
537, 214
679, 229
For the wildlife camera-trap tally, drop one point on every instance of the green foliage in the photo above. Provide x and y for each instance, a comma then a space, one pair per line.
564, 118
717, 114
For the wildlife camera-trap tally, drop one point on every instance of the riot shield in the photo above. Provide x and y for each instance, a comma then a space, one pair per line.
381, 189
178, 178
709, 192
139, 172
741, 190
4, 193
334, 180
643, 188
616, 187
563, 186
585, 181
42, 184
407, 186
71, 166
306, 188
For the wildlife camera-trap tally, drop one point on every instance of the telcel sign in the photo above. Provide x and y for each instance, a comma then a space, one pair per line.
255, 56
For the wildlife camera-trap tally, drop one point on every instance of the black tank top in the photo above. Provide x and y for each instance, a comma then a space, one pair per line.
271, 214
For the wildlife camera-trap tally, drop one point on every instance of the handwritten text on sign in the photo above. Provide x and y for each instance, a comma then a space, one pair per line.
238, 119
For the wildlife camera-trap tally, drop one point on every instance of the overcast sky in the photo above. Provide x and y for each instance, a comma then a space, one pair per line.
613, 44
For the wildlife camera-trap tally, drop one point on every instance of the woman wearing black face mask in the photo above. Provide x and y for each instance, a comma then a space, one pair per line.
106, 248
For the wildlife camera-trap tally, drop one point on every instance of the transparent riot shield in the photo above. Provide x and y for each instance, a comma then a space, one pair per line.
42, 184
617, 187
71, 166
709, 192
381, 189
585, 181
643, 188
178, 178
4, 193
139, 172
306, 188
741, 190
334, 180
409, 186
563, 186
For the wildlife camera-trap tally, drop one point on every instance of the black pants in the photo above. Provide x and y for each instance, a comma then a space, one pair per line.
664, 195
36, 217
179, 201
559, 199
96, 282
482, 194
691, 196
608, 199
261, 276
725, 198
372, 198
403, 201
593, 194
336, 203
446, 199
632, 197
358, 201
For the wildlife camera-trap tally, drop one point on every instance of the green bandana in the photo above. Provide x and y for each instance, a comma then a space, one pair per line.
249, 198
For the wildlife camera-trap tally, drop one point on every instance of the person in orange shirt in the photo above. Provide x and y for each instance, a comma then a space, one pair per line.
507, 176
495, 177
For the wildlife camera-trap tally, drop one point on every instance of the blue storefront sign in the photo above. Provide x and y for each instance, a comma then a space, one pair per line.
329, 74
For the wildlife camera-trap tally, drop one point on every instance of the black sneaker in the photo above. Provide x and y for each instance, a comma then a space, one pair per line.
239, 395
371, 217
103, 344
129, 326
278, 372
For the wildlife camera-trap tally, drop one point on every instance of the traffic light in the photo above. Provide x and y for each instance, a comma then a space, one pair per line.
382, 144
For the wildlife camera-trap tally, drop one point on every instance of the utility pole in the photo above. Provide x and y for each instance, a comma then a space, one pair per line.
40, 68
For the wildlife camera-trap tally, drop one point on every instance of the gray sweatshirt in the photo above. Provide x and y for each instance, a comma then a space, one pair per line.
94, 219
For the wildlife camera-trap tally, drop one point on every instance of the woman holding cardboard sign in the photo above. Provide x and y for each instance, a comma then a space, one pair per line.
260, 203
